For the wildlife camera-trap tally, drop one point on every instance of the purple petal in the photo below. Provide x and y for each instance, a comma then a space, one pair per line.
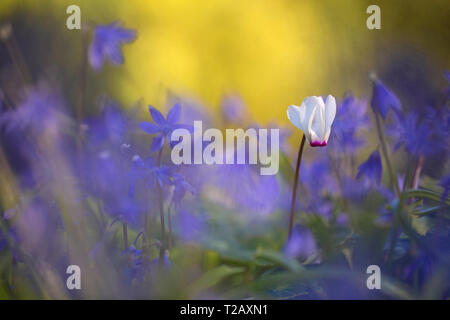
149, 127
372, 168
383, 99
95, 56
174, 114
188, 127
156, 115
114, 53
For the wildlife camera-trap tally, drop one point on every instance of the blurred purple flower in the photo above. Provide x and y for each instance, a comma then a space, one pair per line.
106, 176
181, 188
345, 132
162, 127
371, 169
318, 183
234, 109
247, 189
41, 110
106, 44
420, 135
302, 244
148, 172
317, 177
355, 190
383, 99
110, 128
190, 227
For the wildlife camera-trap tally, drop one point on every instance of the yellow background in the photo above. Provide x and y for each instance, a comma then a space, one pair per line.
274, 53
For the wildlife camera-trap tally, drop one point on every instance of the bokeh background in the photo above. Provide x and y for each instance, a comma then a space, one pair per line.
273, 53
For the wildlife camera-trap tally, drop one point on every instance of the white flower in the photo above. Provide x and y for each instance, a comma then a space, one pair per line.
314, 118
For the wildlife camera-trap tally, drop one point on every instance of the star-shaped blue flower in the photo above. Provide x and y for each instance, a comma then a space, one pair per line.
162, 127
106, 44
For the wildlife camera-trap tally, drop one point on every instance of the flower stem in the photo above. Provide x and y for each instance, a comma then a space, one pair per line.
169, 220
294, 189
125, 235
83, 78
161, 216
16, 56
417, 172
384, 148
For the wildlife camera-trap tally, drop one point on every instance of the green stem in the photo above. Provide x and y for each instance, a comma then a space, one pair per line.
169, 221
294, 189
16, 57
125, 235
161, 216
384, 148
417, 172
83, 79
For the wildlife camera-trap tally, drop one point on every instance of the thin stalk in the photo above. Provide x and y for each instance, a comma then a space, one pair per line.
83, 79
20, 58
294, 189
384, 148
417, 172
169, 221
125, 235
82, 89
161, 216
16, 57
395, 186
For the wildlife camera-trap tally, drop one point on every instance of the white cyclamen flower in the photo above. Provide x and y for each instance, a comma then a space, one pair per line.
314, 117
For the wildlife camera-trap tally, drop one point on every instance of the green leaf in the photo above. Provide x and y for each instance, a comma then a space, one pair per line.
427, 194
279, 260
213, 277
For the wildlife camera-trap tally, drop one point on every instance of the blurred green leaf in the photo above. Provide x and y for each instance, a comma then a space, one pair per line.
212, 277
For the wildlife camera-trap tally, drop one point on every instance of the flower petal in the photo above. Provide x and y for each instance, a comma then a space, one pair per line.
95, 56
174, 114
149, 127
330, 111
309, 132
383, 99
295, 115
156, 115
318, 124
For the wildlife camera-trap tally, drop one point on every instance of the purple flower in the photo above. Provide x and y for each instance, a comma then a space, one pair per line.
317, 177
371, 169
355, 190
345, 132
41, 110
301, 244
106, 44
419, 135
190, 227
318, 183
181, 187
109, 128
234, 109
252, 193
162, 127
147, 171
383, 99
